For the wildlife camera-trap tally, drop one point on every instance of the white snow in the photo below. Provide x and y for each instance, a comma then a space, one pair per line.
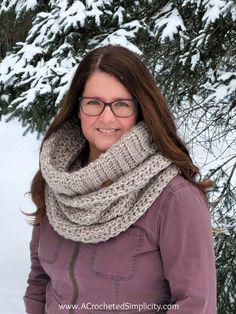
221, 92
18, 164
74, 14
119, 37
18, 5
222, 87
213, 10
26, 98
195, 59
119, 14
168, 22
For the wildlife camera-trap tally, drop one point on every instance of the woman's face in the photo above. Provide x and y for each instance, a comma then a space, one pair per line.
107, 88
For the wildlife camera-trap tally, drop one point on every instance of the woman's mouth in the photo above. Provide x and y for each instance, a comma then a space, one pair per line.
108, 131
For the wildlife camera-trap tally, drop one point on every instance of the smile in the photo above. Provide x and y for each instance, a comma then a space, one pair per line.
108, 131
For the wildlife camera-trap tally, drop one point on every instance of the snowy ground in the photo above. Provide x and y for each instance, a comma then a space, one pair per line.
18, 163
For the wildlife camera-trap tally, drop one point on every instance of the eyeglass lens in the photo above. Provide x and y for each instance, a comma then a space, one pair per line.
94, 107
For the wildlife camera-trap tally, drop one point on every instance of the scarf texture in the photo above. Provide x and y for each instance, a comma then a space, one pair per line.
78, 207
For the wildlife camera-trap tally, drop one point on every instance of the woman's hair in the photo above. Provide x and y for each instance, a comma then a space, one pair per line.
128, 68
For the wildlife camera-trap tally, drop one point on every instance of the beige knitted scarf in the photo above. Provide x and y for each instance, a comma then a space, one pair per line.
78, 206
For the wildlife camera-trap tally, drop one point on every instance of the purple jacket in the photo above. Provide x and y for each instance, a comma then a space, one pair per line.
164, 263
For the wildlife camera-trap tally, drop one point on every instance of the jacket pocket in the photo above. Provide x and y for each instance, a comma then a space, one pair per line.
116, 258
49, 243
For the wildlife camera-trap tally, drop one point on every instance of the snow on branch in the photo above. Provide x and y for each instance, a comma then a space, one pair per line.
19, 6
222, 87
214, 9
45, 62
168, 22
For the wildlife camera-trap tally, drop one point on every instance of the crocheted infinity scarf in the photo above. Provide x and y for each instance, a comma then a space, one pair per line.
77, 205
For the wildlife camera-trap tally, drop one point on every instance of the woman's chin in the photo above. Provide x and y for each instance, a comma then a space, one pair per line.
103, 148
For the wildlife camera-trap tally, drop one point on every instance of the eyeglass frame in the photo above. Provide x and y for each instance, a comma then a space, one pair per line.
109, 104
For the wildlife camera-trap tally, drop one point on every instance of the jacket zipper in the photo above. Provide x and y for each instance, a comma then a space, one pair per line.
72, 276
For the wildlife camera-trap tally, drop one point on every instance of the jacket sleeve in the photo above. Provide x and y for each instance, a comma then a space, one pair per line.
35, 295
187, 251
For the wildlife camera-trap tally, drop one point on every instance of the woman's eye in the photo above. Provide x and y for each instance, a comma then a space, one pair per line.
93, 102
121, 104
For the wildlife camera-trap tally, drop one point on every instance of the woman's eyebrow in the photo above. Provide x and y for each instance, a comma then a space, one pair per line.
113, 99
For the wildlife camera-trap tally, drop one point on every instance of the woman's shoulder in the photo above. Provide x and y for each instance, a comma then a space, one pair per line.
179, 201
180, 185
177, 182
183, 198
181, 192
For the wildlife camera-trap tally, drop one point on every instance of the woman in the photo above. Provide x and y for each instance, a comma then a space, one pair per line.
122, 225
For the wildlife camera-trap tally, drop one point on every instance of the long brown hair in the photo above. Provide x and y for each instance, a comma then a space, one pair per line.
131, 71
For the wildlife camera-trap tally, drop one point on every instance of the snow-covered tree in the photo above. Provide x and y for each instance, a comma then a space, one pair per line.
188, 45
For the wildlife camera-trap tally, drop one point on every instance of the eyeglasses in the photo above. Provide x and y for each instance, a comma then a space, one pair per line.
122, 108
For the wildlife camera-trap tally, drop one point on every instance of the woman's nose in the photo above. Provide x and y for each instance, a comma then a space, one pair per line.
107, 114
